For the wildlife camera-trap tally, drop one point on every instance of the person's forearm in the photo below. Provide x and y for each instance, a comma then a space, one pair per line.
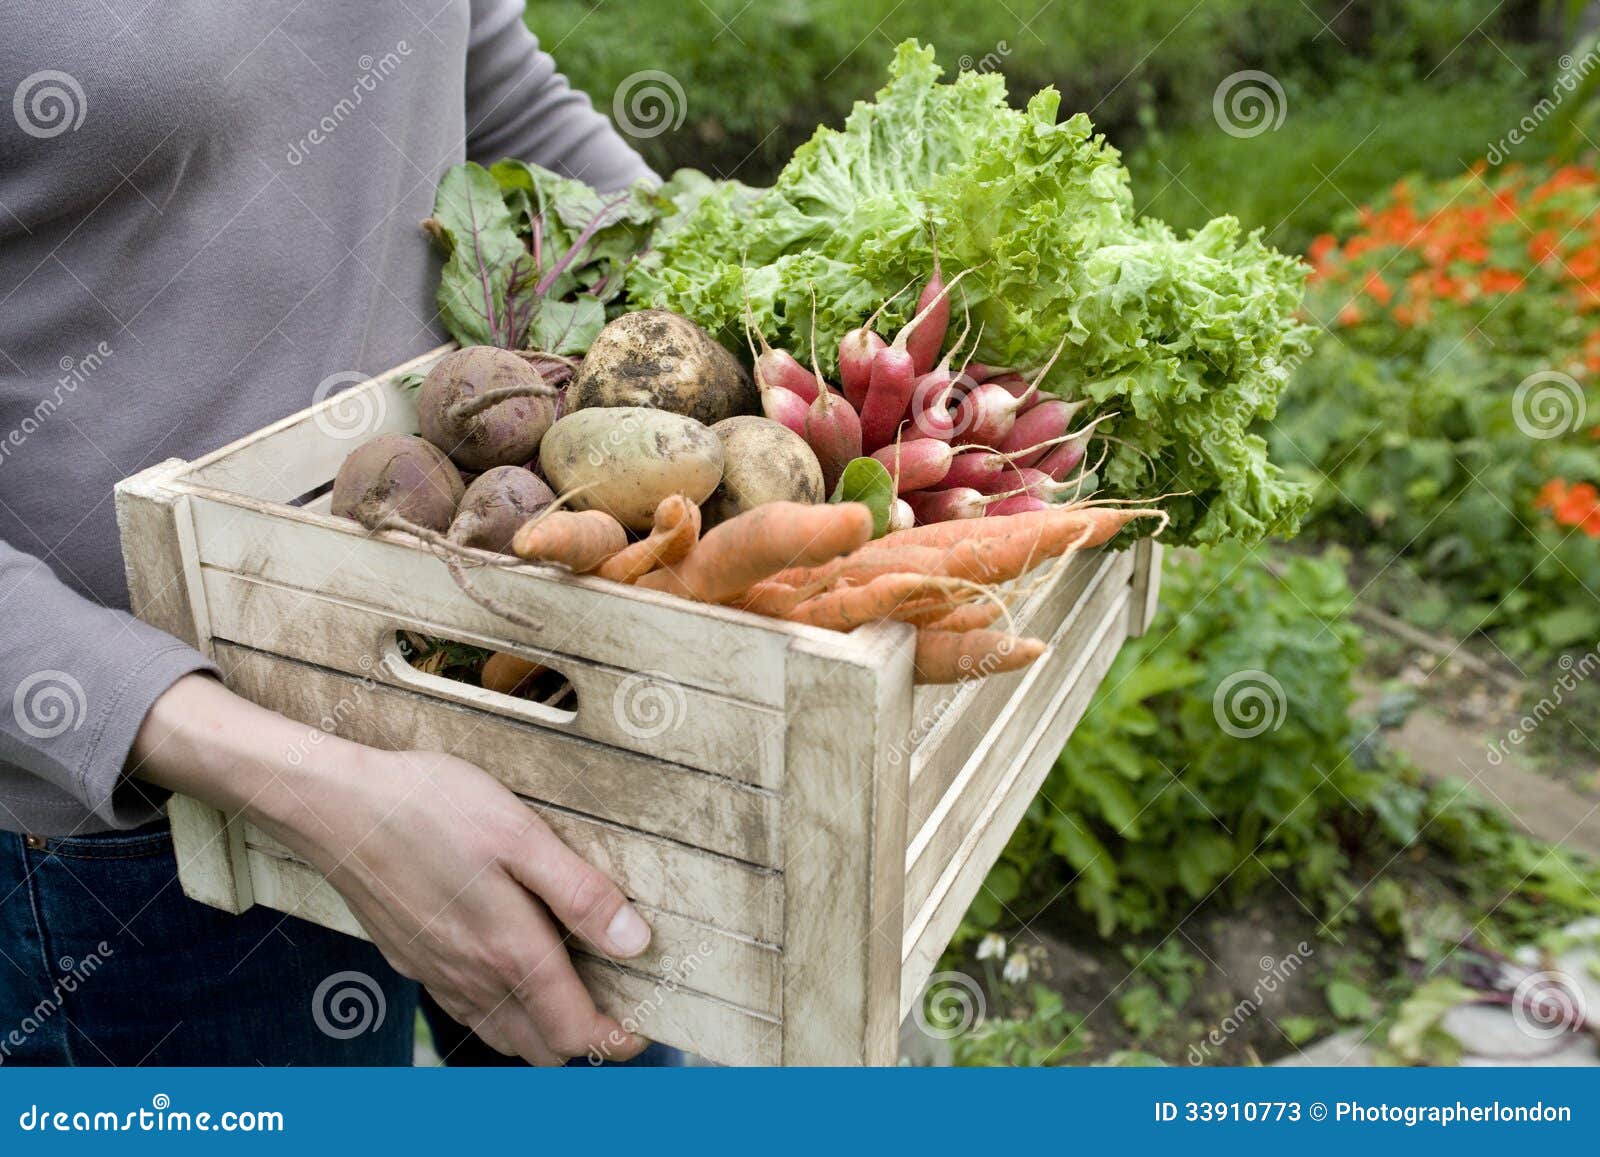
204, 741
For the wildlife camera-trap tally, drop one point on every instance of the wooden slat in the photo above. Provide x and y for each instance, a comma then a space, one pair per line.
299, 453
968, 719
1146, 586
969, 854
704, 811
844, 811
729, 652
158, 551
702, 885
683, 952
1081, 651
620, 708
664, 1009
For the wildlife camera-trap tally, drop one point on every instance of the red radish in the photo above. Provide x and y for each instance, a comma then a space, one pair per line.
1037, 425
833, 431
932, 395
776, 369
988, 412
894, 376
946, 505
1016, 385
980, 373
975, 466
916, 465
925, 343
901, 516
1016, 504
856, 351
1064, 459
784, 407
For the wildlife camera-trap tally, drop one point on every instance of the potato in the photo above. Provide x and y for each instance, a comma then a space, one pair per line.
762, 461
626, 459
658, 359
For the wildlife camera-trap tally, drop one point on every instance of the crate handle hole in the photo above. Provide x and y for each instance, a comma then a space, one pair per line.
473, 674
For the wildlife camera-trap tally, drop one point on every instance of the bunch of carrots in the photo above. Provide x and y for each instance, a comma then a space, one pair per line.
959, 442
819, 565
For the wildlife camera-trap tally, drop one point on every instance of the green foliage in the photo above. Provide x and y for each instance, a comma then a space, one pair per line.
757, 79
1155, 805
1041, 1032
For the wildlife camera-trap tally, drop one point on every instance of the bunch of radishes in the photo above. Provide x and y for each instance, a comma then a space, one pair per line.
958, 442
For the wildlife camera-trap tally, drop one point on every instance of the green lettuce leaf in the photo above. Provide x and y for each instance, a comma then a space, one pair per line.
1188, 340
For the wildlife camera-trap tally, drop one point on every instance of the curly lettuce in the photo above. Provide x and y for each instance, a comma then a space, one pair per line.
1187, 340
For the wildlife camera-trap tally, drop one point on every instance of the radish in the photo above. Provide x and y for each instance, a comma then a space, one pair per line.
946, 505
930, 398
1037, 426
917, 464
986, 415
893, 380
485, 407
980, 373
856, 351
1016, 504
784, 407
1064, 459
901, 516
777, 369
925, 343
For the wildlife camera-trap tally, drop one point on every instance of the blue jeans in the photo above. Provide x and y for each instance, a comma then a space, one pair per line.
104, 961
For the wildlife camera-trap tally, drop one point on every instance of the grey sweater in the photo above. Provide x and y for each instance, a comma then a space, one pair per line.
205, 210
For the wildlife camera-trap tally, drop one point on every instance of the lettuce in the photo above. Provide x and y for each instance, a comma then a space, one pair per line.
1188, 339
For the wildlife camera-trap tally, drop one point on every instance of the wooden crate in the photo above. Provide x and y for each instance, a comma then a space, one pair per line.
801, 826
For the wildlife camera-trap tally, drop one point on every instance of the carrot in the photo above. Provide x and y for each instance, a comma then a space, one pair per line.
850, 607
578, 540
759, 543
951, 656
675, 531
1057, 527
864, 565
774, 599
969, 617
507, 673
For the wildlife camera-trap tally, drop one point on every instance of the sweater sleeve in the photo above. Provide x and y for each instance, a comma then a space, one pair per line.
518, 105
78, 679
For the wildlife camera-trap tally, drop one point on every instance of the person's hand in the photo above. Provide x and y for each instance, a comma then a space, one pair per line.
454, 878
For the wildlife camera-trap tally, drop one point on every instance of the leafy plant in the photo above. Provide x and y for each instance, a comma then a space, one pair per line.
1444, 416
1040, 1032
1166, 793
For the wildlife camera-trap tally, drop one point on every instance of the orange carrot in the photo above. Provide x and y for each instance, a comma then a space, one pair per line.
578, 540
1057, 527
847, 608
866, 564
971, 617
759, 543
774, 599
950, 656
675, 530
507, 673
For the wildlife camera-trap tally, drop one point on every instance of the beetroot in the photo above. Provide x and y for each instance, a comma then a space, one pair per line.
496, 505
485, 407
399, 478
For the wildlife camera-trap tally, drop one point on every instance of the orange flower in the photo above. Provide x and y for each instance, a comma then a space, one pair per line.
1378, 289
1550, 494
1349, 315
1321, 247
1499, 281
1578, 504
